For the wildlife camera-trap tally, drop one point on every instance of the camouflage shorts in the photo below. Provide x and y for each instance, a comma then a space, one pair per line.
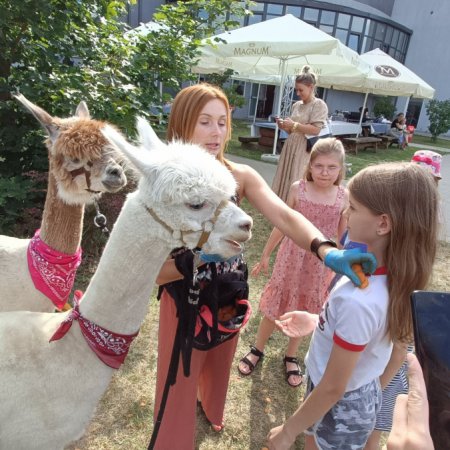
349, 423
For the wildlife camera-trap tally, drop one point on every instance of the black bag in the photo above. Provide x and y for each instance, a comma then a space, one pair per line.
219, 312
312, 140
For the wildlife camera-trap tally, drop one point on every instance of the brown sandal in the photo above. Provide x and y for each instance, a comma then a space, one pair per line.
245, 360
297, 372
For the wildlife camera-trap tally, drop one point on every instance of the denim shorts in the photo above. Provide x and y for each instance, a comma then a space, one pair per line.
349, 423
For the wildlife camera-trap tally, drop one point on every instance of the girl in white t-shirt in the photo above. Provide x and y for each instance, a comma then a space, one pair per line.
393, 210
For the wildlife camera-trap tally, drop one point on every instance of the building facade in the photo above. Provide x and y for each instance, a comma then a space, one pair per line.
411, 31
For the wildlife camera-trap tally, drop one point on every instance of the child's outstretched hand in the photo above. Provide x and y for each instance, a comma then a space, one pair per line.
262, 265
341, 261
296, 324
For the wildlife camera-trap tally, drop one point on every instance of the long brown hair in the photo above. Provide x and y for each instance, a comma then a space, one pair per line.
186, 109
327, 146
407, 194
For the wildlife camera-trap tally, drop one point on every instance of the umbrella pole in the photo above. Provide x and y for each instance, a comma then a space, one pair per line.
406, 105
362, 114
256, 103
280, 97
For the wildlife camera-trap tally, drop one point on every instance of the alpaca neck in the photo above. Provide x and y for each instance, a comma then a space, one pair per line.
62, 224
119, 292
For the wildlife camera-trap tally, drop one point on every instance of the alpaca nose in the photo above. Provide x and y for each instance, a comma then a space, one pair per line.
114, 171
246, 225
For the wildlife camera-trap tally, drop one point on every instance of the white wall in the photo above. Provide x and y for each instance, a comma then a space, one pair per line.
428, 55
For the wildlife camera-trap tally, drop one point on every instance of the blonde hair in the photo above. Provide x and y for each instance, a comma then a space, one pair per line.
186, 109
327, 146
408, 195
306, 77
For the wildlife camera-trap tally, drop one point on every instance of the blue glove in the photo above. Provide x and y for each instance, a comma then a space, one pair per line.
340, 261
214, 258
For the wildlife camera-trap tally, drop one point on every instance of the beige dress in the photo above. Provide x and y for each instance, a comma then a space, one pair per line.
294, 157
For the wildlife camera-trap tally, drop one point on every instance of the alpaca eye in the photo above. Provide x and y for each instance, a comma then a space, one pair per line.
75, 160
197, 206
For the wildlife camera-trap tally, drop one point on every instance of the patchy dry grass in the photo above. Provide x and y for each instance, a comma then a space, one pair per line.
254, 405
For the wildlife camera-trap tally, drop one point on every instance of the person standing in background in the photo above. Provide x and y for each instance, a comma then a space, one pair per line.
308, 117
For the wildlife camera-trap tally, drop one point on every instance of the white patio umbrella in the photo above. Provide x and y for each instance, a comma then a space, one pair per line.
388, 76
281, 46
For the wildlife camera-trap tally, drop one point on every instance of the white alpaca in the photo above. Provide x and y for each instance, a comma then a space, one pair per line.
49, 391
82, 165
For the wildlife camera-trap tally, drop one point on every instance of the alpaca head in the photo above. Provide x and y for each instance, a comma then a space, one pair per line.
186, 188
82, 161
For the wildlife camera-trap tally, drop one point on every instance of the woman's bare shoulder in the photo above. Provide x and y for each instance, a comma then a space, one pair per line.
241, 171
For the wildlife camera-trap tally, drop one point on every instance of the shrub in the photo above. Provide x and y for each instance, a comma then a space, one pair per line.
384, 106
439, 116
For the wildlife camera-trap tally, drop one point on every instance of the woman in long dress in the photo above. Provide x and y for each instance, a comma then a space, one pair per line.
308, 117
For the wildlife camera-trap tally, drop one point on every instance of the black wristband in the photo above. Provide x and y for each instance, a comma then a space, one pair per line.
316, 243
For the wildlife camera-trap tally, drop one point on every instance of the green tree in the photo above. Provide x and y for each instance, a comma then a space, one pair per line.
60, 52
439, 116
384, 106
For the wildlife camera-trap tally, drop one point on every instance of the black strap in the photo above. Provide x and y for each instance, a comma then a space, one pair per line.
170, 380
184, 335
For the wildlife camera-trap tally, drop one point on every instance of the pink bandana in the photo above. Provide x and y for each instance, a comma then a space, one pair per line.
111, 348
52, 272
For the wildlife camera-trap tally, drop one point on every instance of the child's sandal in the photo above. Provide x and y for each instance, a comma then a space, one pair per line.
289, 373
250, 365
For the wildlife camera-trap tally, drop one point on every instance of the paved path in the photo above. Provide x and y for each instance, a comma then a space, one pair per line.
267, 171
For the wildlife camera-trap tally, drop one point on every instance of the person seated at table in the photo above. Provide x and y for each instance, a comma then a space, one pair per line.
365, 114
398, 130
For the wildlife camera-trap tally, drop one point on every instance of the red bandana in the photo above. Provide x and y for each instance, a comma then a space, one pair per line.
112, 348
52, 272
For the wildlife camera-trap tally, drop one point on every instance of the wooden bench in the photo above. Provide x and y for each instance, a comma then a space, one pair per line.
354, 144
247, 139
388, 141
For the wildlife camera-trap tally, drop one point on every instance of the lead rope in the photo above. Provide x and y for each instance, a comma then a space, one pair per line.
192, 303
100, 220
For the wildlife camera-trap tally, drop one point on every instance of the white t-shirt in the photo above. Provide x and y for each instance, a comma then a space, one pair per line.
354, 319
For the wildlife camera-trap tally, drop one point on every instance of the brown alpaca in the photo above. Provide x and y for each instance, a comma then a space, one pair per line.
82, 165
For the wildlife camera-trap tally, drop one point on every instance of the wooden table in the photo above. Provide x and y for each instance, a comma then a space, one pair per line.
354, 144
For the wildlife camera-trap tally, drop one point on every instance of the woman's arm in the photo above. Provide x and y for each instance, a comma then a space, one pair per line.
275, 237
169, 272
296, 127
295, 225
324, 396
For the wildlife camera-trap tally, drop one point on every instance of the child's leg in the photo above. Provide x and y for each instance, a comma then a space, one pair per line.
265, 330
374, 441
295, 377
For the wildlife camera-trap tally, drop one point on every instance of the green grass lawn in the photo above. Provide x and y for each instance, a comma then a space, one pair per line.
358, 162
255, 404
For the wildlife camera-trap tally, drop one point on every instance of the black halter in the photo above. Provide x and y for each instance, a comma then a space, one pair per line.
87, 174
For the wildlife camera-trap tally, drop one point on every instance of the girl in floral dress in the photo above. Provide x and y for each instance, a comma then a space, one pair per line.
299, 280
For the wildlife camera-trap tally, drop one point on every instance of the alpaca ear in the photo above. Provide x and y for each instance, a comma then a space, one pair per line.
134, 154
147, 136
82, 111
43, 117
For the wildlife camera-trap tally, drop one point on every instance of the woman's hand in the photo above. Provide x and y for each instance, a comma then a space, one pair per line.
296, 324
341, 261
263, 266
278, 439
288, 124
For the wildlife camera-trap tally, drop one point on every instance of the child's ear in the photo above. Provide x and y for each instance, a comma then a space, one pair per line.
384, 225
